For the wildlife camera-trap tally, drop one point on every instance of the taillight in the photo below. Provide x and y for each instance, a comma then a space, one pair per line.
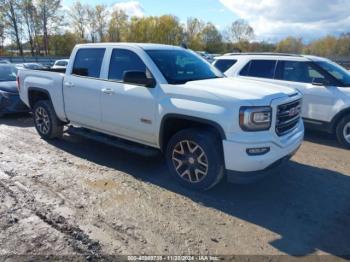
18, 84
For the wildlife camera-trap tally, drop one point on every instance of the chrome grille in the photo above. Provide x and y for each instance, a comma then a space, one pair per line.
288, 116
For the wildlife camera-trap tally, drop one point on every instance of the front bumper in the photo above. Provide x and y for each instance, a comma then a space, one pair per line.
237, 160
11, 103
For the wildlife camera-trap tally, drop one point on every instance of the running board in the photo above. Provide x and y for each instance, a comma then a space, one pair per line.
123, 144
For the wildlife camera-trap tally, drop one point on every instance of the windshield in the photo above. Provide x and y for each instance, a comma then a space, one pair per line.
8, 73
338, 72
181, 66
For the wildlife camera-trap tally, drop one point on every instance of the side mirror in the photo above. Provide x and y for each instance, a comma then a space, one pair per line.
320, 82
138, 78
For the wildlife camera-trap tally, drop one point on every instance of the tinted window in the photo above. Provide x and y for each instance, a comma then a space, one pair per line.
337, 71
223, 65
123, 60
245, 70
88, 62
260, 68
296, 71
181, 66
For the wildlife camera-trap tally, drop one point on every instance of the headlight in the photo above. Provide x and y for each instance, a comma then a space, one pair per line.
255, 118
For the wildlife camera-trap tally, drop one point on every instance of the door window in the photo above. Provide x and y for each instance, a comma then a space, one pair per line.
260, 68
224, 64
123, 60
338, 72
88, 62
297, 71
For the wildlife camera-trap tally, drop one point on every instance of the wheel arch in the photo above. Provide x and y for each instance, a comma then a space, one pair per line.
36, 93
338, 117
172, 123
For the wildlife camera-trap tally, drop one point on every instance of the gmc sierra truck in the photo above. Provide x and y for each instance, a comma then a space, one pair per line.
150, 98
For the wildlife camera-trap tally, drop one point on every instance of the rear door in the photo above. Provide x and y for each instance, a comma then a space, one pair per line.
82, 88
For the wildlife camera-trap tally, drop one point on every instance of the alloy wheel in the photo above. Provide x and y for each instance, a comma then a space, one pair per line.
42, 120
346, 132
190, 161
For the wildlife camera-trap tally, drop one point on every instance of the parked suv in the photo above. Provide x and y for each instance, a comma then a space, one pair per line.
146, 97
324, 84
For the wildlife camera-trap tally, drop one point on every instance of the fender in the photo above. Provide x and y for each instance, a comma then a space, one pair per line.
213, 124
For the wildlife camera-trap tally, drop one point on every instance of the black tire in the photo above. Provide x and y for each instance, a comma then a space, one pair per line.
211, 163
343, 128
53, 126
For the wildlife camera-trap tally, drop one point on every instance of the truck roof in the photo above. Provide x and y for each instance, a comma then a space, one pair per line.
145, 46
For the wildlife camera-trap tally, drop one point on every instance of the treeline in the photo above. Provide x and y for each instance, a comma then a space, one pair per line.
30, 21
44, 28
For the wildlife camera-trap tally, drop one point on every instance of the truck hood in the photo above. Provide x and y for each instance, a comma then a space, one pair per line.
9, 86
241, 89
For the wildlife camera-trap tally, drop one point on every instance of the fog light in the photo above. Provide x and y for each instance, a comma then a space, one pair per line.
258, 151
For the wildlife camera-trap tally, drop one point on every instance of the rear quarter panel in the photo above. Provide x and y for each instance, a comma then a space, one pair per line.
49, 82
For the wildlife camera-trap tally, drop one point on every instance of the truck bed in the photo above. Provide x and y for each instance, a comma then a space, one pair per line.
50, 81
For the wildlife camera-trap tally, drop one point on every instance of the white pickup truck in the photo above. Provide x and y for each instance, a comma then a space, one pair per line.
146, 97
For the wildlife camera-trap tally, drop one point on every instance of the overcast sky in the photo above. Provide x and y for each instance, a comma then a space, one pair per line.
271, 19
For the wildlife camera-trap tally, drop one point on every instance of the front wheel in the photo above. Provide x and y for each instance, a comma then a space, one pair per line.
343, 131
195, 159
46, 121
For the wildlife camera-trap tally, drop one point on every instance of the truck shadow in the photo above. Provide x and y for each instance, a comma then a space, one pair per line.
22, 120
307, 206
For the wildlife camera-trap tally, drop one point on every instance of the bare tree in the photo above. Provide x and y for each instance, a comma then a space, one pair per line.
12, 21
194, 28
30, 21
101, 13
118, 26
211, 38
240, 31
78, 15
92, 23
48, 14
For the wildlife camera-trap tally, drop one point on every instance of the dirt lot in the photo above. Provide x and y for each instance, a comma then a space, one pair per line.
75, 196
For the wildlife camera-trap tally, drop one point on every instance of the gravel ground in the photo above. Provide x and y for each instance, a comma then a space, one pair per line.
77, 197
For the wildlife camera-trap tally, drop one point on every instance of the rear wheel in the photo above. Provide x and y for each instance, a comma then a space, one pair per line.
46, 121
343, 131
195, 158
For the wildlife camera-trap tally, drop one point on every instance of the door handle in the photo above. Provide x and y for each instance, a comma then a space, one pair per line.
69, 84
108, 91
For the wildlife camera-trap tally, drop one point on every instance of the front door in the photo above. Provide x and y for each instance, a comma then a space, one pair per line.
128, 110
319, 99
